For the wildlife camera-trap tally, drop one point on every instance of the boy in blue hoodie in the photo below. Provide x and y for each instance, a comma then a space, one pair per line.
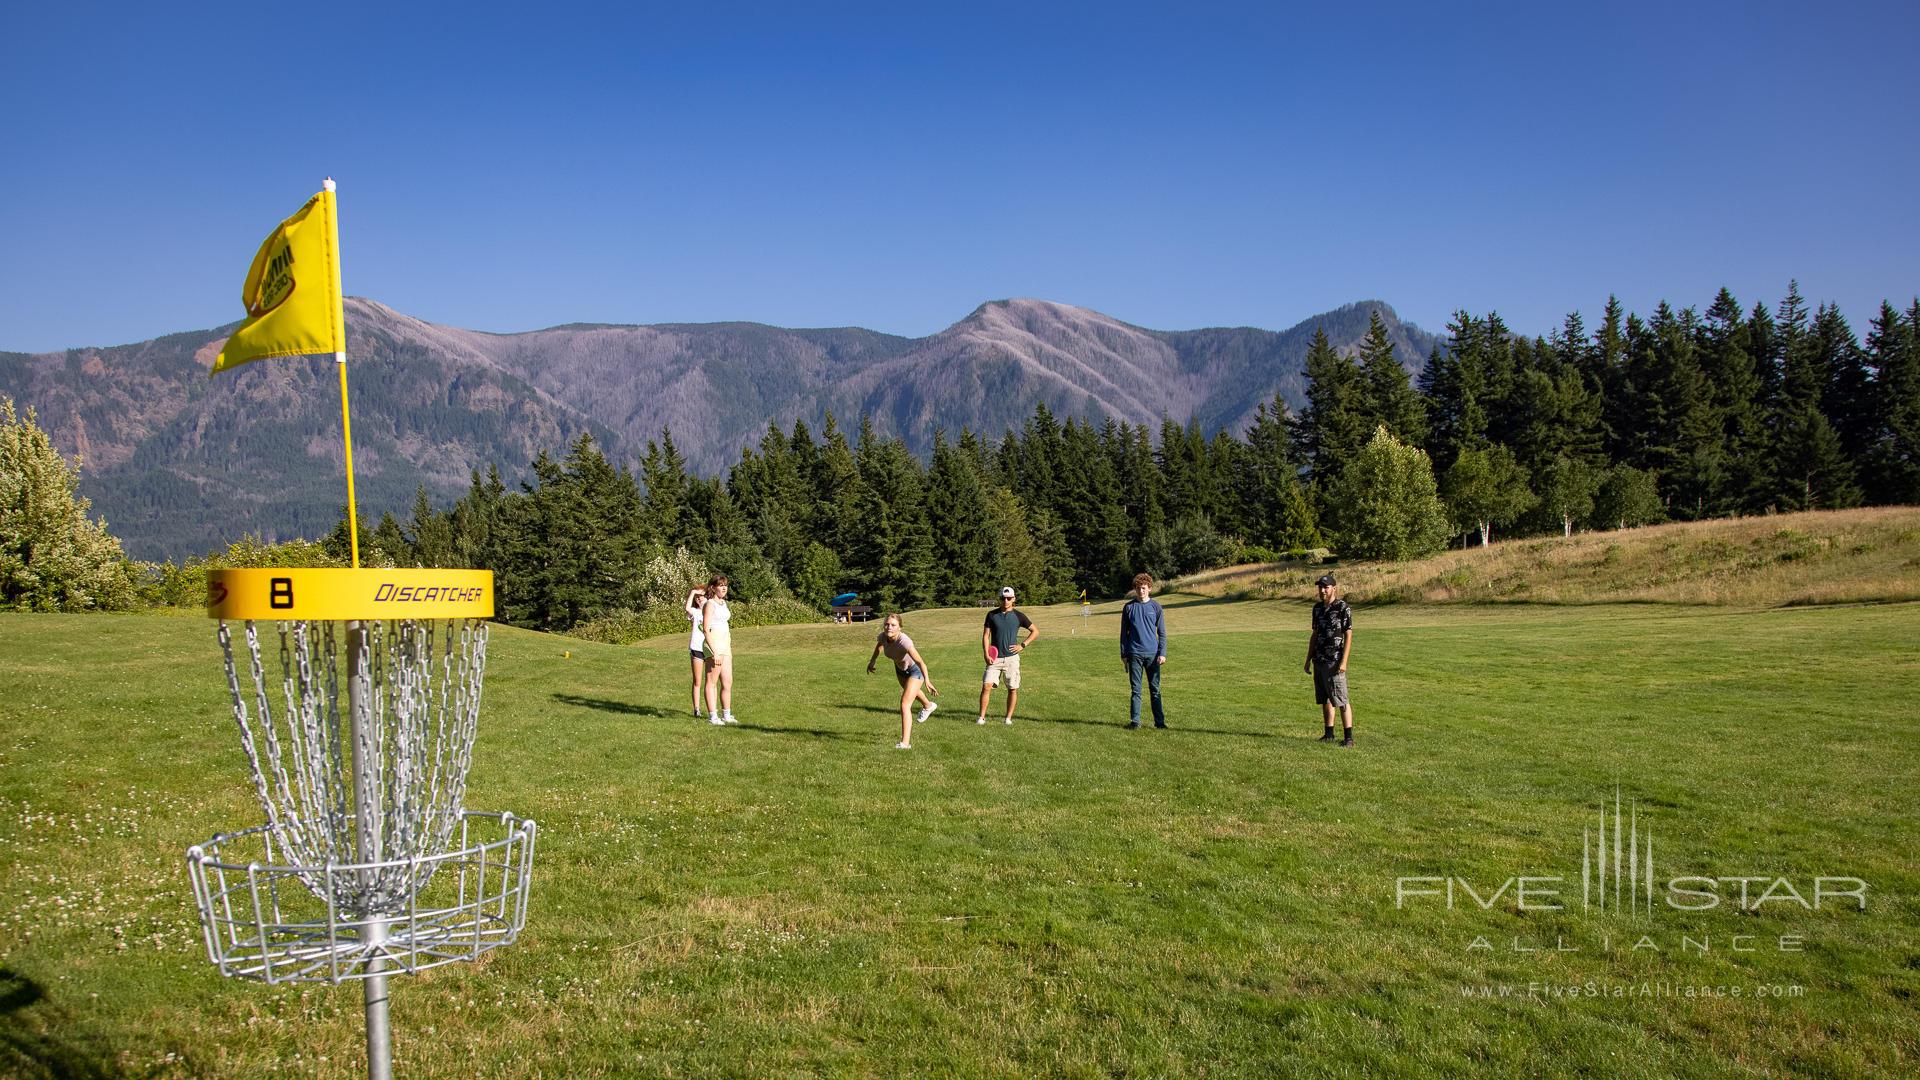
1143, 646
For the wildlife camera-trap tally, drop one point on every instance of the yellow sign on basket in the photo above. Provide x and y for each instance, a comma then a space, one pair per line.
340, 594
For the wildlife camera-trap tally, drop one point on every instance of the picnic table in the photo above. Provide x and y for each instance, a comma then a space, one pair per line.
849, 613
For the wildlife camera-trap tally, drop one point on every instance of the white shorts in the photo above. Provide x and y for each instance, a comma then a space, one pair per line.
1010, 664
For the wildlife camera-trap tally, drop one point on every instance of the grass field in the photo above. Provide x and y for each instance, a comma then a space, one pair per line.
1061, 897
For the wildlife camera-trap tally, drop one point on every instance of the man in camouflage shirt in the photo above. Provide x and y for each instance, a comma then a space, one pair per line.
1327, 651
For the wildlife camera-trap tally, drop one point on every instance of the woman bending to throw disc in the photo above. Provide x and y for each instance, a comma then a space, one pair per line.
714, 617
912, 673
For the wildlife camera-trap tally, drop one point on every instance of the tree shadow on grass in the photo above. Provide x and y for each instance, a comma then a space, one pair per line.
606, 705
1146, 724
25, 1047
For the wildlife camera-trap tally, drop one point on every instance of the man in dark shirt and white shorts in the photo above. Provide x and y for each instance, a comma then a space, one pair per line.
1327, 650
1000, 646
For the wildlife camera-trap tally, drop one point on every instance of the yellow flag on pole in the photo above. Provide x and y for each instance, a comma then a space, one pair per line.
292, 292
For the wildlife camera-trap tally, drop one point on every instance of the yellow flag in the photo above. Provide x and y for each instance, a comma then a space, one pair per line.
292, 292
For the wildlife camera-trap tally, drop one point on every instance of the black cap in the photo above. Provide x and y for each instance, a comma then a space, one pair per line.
1326, 579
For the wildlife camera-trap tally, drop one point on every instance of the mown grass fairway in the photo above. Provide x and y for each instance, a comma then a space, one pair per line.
1062, 897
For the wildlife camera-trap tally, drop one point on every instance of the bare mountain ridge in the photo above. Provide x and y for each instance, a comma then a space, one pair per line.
178, 463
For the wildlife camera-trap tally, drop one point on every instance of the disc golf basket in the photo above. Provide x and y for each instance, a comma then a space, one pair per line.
357, 704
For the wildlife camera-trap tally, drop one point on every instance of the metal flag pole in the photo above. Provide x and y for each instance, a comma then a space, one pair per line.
367, 811
340, 361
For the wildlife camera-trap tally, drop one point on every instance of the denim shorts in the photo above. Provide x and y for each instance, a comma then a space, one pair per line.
911, 671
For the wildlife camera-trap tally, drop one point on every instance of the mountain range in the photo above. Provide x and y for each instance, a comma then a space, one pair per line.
179, 464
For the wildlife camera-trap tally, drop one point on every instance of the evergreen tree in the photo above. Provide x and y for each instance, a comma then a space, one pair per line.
1018, 560
429, 534
891, 552
1605, 375
1808, 468
390, 547
474, 520
1333, 426
1179, 484
1056, 560
1095, 516
1893, 466
963, 556
1846, 393
730, 548
53, 557
835, 480
1038, 473
1130, 450
1727, 359
1389, 394
663, 475
1277, 511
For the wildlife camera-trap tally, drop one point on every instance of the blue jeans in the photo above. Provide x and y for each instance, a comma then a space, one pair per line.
1136, 667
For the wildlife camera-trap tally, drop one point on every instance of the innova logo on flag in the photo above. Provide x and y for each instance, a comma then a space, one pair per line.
1617, 876
276, 280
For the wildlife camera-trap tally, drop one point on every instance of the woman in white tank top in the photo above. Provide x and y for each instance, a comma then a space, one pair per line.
697, 645
714, 617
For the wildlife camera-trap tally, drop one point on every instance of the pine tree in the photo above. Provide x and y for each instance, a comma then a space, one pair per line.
962, 538
663, 476
1129, 450
1808, 468
835, 479
1179, 487
429, 534
891, 553
1279, 515
1893, 464
729, 547
1846, 396
1095, 516
390, 547
1605, 375
1455, 391
474, 520
1389, 394
1332, 428
1728, 361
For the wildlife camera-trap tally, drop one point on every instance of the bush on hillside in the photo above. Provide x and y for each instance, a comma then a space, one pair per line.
53, 557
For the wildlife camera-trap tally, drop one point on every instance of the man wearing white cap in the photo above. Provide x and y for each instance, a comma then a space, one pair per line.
1001, 646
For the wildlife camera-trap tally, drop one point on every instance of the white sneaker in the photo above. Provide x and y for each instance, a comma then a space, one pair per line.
901, 746
729, 718
716, 720
980, 720
1009, 721
921, 716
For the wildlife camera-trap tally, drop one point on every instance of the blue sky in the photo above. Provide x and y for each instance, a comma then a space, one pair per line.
517, 166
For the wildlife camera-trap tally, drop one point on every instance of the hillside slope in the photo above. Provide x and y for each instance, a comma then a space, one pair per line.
1820, 557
